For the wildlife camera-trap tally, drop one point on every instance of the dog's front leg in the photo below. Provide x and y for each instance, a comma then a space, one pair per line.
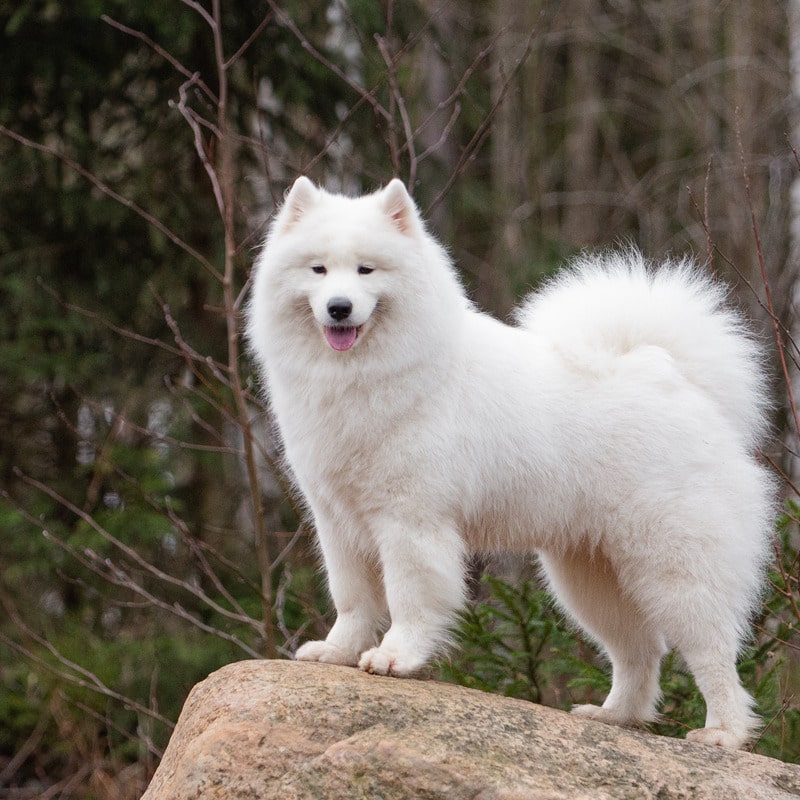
423, 576
355, 587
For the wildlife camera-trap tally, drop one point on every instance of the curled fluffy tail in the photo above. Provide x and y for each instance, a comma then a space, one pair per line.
612, 303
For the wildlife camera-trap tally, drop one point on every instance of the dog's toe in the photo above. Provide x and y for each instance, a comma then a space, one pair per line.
377, 662
610, 716
718, 737
324, 652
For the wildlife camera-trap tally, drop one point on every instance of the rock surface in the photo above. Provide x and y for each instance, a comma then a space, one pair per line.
300, 731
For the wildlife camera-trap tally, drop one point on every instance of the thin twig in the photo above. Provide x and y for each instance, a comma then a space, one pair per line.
157, 48
199, 145
199, 556
106, 569
703, 217
27, 748
781, 473
765, 280
107, 722
454, 96
109, 192
444, 135
124, 548
483, 130
248, 41
87, 679
399, 101
286, 21
201, 11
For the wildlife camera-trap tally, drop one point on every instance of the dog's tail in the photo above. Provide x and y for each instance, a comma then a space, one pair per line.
612, 303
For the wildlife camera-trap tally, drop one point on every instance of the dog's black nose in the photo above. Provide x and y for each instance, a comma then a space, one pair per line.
339, 308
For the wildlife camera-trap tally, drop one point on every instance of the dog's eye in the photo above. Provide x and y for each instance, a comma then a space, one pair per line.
318, 269
363, 269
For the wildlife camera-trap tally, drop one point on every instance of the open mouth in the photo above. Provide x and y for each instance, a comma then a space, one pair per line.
342, 337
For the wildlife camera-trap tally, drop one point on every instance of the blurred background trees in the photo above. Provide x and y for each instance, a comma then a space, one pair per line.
146, 536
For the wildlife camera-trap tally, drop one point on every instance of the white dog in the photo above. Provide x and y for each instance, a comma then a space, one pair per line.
612, 431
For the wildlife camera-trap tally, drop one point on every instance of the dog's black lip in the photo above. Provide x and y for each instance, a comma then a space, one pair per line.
340, 326
357, 328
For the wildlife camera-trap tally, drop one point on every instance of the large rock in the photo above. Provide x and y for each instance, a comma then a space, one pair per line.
290, 730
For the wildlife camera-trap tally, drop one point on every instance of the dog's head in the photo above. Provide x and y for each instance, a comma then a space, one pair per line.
343, 259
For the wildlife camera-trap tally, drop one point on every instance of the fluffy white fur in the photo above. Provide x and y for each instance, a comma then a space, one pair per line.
612, 431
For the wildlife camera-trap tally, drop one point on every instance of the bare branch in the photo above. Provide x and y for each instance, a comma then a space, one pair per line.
157, 48
77, 675
201, 11
105, 721
453, 98
199, 144
287, 22
445, 134
197, 552
776, 326
128, 551
484, 128
28, 747
108, 191
248, 41
399, 100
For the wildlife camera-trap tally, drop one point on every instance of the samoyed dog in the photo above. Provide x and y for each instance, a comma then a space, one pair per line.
612, 431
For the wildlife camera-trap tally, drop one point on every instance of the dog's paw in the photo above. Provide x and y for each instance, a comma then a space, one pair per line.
717, 737
380, 661
610, 716
326, 653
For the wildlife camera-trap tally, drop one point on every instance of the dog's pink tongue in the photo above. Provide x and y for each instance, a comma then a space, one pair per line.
341, 338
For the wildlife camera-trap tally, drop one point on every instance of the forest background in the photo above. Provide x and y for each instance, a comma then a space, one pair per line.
146, 535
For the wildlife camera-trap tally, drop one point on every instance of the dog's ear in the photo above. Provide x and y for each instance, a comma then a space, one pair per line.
299, 199
400, 208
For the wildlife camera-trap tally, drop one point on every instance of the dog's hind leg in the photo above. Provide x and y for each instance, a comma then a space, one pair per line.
706, 625
704, 616
729, 708
587, 588
703, 624
701, 593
